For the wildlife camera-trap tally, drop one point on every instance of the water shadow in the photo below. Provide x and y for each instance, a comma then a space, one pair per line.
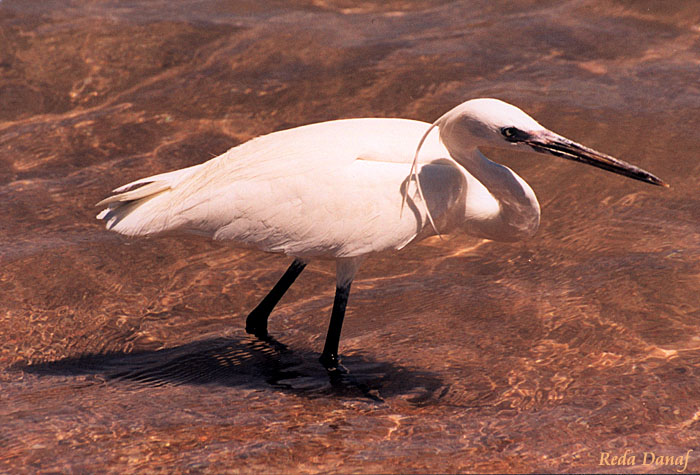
246, 362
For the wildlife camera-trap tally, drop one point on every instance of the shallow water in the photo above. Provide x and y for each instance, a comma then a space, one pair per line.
465, 355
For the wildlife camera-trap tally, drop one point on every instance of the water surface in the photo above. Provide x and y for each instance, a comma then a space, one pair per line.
125, 355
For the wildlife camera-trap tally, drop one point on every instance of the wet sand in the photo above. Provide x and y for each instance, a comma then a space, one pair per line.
129, 355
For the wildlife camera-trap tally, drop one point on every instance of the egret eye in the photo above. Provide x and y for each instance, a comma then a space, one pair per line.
509, 132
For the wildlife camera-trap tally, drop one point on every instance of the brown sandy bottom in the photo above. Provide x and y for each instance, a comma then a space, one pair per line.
129, 355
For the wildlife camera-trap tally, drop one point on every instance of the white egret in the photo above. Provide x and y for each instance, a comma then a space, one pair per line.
336, 190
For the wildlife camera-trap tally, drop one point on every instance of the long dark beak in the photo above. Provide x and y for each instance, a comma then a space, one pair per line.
562, 147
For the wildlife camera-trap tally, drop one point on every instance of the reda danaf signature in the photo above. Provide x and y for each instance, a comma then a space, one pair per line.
679, 462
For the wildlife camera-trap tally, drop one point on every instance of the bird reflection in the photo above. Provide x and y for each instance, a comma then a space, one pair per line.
246, 362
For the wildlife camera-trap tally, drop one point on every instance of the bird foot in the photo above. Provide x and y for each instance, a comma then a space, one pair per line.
341, 378
332, 364
259, 333
264, 337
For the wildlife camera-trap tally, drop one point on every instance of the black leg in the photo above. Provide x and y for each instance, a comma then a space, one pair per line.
256, 323
329, 357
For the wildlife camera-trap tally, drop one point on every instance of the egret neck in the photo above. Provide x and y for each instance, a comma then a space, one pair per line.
518, 213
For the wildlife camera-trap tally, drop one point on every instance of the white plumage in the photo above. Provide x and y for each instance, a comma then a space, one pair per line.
324, 190
335, 189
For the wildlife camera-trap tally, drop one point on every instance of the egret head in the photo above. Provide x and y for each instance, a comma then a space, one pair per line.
491, 122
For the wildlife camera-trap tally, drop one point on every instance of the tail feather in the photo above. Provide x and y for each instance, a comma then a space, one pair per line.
144, 191
130, 211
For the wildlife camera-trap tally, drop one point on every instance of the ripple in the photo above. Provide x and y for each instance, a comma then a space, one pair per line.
463, 355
